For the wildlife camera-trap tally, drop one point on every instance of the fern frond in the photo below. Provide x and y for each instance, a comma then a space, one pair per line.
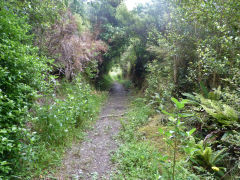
223, 113
218, 156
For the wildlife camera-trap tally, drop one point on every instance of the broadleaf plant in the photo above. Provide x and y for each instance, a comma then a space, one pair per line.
173, 136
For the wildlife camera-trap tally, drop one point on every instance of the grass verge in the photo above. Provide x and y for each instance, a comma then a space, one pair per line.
57, 121
144, 154
135, 158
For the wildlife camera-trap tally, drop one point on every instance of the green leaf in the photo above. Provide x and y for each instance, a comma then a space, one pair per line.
178, 104
191, 131
160, 130
167, 113
163, 158
185, 115
173, 119
179, 122
168, 134
185, 101
174, 100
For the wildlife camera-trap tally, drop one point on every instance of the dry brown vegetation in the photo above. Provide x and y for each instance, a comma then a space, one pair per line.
72, 49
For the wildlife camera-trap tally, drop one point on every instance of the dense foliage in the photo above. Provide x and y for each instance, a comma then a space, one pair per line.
190, 49
40, 116
22, 76
183, 49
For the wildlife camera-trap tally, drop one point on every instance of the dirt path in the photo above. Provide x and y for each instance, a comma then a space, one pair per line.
91, 159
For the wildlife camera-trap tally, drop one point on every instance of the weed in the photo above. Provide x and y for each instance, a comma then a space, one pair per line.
136, 117
137, 160
62, 119
173, 136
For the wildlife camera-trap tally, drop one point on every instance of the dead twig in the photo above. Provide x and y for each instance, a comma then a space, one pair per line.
112, 115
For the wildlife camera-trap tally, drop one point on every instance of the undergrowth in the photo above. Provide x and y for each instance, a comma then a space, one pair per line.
136, 159
105, 82
57, 121
144, 153
126, 83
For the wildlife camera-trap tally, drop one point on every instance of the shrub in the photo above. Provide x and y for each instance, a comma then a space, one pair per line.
72, 50
58, 120
223, 113
207, 158
22, 74
218, 125
59, 116
158, 82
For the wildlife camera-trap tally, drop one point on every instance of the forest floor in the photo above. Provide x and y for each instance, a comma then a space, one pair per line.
91, 159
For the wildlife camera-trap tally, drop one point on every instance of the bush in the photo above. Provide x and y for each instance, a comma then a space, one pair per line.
61, 115
26, 128
22, 74
219, 124
105, 82
62, 119
158, 82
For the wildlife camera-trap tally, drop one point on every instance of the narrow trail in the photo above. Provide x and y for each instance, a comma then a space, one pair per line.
92, 158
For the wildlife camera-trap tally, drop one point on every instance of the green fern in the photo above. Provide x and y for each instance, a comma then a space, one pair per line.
192, 98
204, 89
207, 158
223, 113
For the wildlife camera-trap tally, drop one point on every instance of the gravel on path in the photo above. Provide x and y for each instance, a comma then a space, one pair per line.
91, 159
